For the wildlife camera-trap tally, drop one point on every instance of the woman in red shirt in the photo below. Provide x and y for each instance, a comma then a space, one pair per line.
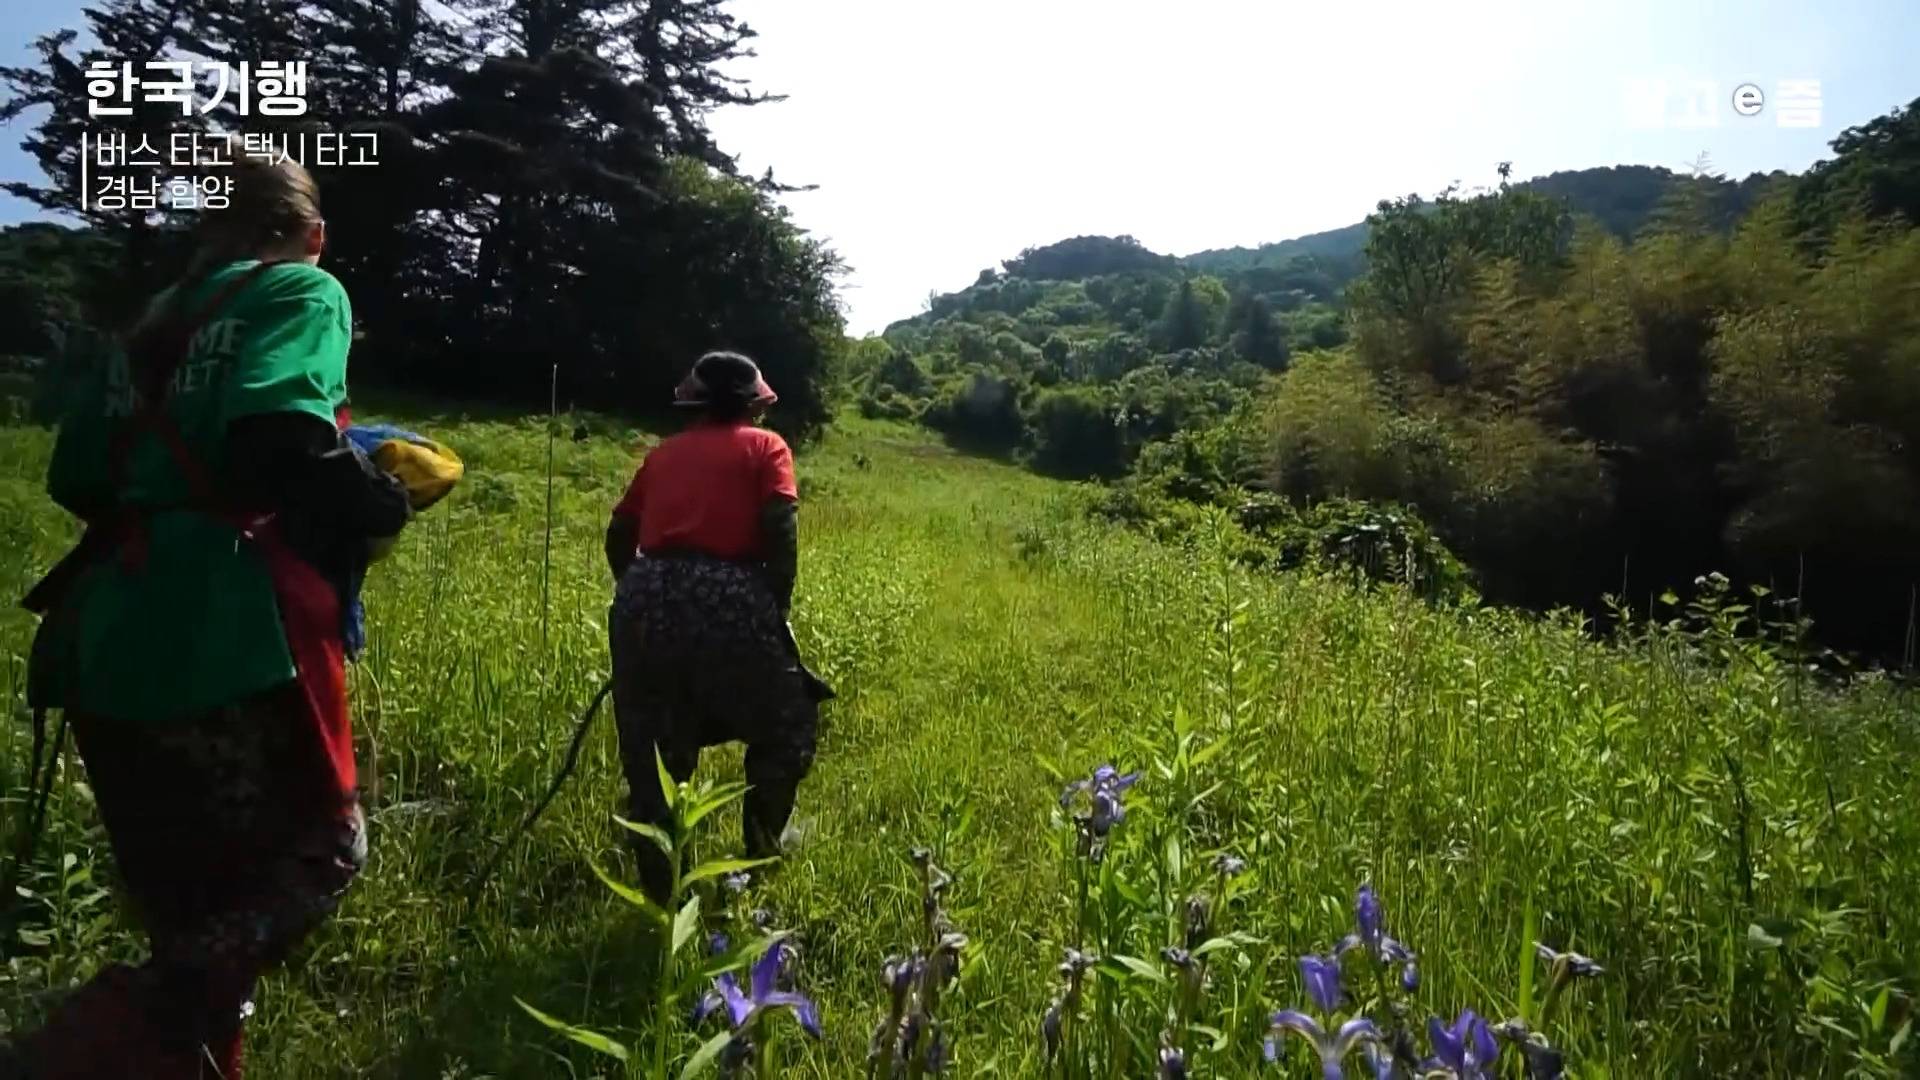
704, 551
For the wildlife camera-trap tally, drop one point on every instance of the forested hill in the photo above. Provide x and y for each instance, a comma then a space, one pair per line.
1622, 198
1607, 382
1151, 343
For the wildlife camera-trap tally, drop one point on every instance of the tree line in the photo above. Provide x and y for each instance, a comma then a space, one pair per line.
549, 194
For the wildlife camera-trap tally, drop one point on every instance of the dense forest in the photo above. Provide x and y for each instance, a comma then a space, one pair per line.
1591, 388
549, 203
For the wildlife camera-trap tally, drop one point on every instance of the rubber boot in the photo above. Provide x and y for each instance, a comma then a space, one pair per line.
764, 815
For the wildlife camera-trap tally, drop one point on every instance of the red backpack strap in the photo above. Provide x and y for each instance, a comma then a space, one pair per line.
150, 414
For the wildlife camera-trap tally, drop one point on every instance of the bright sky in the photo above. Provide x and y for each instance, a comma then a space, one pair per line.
946, 135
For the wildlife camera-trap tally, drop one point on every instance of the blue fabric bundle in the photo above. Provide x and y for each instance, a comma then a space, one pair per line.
427, 469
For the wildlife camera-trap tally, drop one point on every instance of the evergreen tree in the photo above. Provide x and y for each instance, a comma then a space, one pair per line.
1256, 334
1183, 325
127, 31
680, 49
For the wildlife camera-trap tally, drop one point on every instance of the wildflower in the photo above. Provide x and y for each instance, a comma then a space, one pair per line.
1322, 976
940, 970
1332, 1048
737, 881
762, 995
1567, 965
1199, 919
1191, 973
1050, 1029
933, 880
899, 973
1173, 1063
1409, 977
1228, 865
1542, 1061
1105, 790
1372, 936
1073, 969
717, 943
1367, 913
1466, 1051
1077, 964
946, 957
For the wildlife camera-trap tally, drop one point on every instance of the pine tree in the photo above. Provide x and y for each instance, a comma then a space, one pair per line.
1256, 334
127, 31
679, 48
377, 66
1183, 325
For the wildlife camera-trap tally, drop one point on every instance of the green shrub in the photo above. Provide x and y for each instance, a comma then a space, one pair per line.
1382, 542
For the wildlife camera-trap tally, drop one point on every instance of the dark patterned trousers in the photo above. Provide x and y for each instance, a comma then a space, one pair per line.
234, 841
700, 658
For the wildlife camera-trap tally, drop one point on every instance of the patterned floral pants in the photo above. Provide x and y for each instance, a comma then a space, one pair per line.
700, 658
234, 842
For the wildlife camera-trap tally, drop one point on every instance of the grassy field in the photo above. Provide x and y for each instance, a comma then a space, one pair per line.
1735, 842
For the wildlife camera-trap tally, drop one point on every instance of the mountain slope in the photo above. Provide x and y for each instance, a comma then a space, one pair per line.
1623, 198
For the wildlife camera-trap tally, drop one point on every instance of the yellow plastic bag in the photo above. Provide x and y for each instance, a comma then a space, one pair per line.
427, 469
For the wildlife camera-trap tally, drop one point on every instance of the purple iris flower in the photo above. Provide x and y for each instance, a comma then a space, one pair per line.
1228, 865
1367, 913
762, 994
1465, 1051
1322, 976
1050, 1029
899, 973
1332, 1048
1173, 1063
1105, 789
1370, 922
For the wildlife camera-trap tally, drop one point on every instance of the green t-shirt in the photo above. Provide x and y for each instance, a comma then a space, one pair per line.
196, 626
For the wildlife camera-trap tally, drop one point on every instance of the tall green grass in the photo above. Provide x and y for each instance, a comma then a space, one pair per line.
1732, 837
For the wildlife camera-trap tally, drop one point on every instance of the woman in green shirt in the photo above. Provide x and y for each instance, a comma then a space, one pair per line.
193, 638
